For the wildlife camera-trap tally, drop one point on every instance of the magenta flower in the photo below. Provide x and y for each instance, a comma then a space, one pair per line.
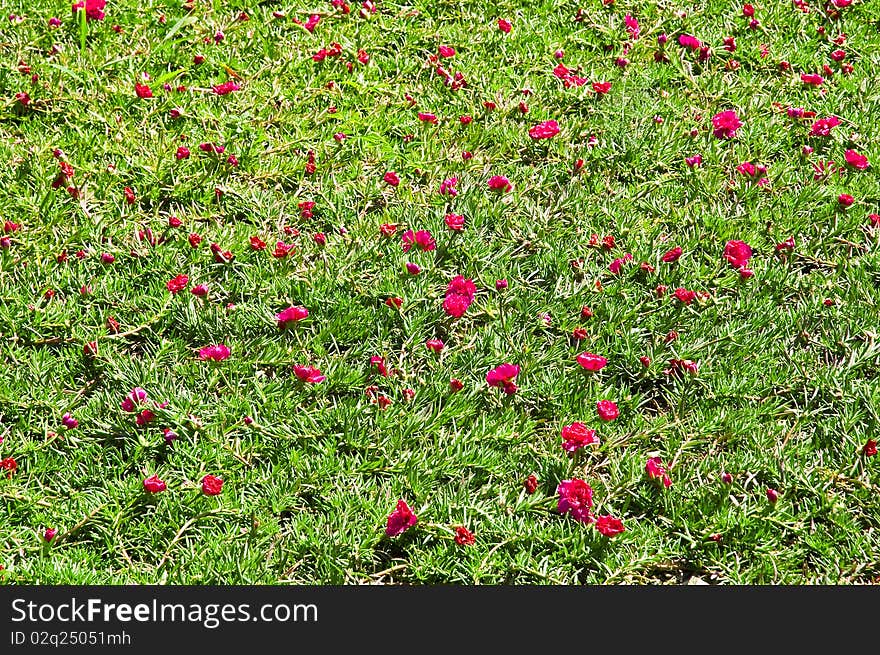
291, 315
499, 183
607, 410
544, 130
400, 520
215, 353
575, 498
502, 376
459, 296
134, 398
308, 374
737, 253
725, 124
154, 485
856, 160
592, 362
656, 471
577, 435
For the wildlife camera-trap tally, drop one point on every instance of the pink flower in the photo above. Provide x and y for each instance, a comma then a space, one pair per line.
577, 435
607, 410
726, 123
812, 79
427, 118
737, 253
694, 161
447, 187
391, 178
688, 41
154, 485
845, 200
608, 526
544, 130
215, 353
656, 471
592, 362
400, 520
211, 485
199, 290
772, 496
308, 374
446, 51
499, 183
502, 376
459, 296
135, 397
575, 498
422, 238
291, 315
856, 160
504, 25
50, 533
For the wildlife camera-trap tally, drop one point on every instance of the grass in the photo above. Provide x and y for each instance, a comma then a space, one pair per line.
786, 392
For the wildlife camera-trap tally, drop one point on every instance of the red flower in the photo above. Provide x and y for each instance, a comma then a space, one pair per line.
463, 536
143, 91
531, 484
726, 123
656, 471
684, 295
177, 284
607, 410
422, 239
499, 183
50, 533
601, 87
609, 526
576, 498
868, 450
502, 376
427, 118
672, 255
215, 353
379, 363
737, 253
211, 485
856, 160
811, 79
456, 385
134, 398
8, 464
129, 195
504, 25
391, 178
182, 153
154, 485
592, 362
400, 520
544, 130
291, 315
577, 435
446, 51
772, 496
845, 200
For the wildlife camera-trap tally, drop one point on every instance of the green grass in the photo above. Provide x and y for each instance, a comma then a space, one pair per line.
787, 390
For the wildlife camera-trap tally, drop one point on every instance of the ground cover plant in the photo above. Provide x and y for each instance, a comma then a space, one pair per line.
439, 292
